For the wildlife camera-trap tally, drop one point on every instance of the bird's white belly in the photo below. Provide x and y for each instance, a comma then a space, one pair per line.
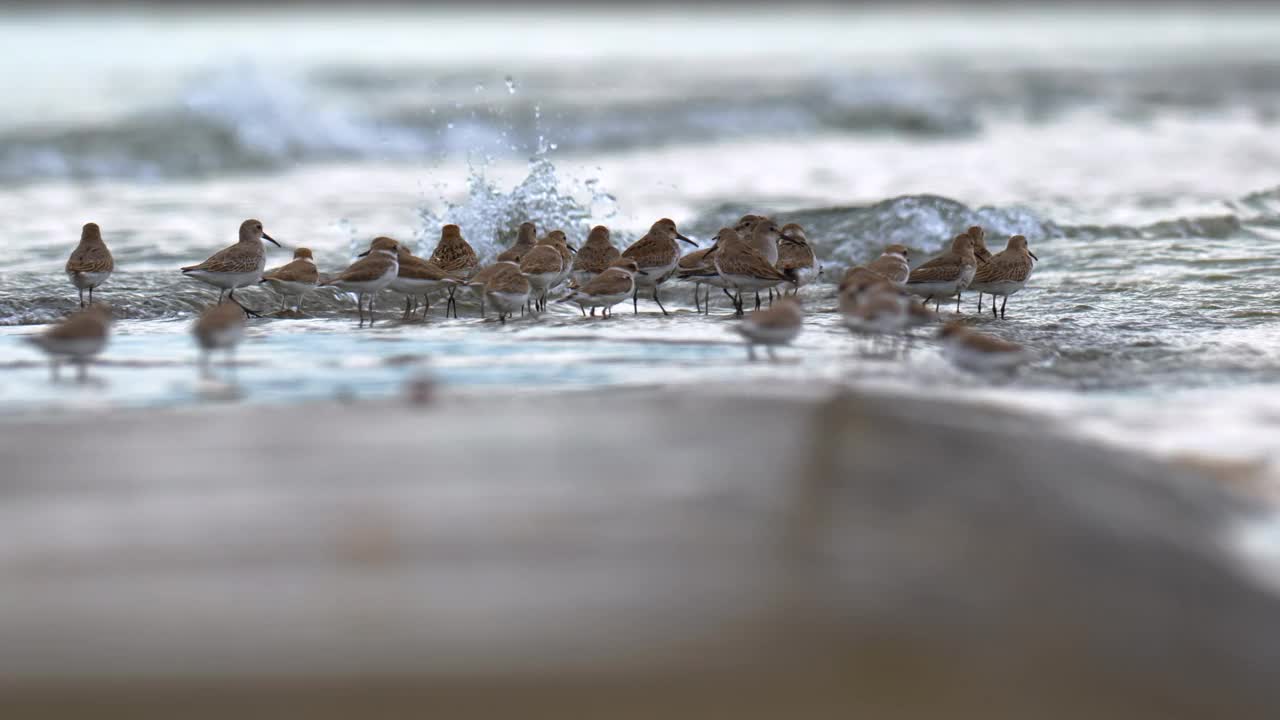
227, 280
86, 280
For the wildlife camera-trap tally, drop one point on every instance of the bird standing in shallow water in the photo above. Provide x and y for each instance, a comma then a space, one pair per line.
946, 275
607, 289
372, 273
893, 264
236, 266
90, 263
221, 327
298, 277
657, 254
454, 255
1006, 273
79, 338
778, 325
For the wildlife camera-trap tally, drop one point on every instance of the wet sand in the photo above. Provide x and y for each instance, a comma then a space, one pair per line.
778, 551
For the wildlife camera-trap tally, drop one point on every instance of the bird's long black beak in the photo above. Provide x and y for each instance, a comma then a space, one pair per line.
982, 260
1033, 256
641, 272
273, 240
572, 249
678, 235
790, 240
366, 252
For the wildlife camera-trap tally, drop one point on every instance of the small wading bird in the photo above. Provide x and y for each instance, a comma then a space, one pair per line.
455, 256
778, 325
507, 290
372, 273
1005, 274
979, 352
657, 254
236, 266
416, 277
742, 267
612, 286
78, 339
595, 255
221, 327
297, 278
90, 263
946, 275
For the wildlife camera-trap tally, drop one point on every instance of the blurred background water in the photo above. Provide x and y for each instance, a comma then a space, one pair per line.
1137, 150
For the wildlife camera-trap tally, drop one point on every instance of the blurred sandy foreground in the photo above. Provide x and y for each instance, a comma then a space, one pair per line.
791, 551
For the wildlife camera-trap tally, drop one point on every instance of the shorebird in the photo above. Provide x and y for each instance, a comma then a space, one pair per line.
237, 266
778, 325
221, 327
90, 263
893, 264
657, 254
796, 258
946, 275
542, 266
1005, 274
417, 277
979, 352
477, 281
76, 339
507, 289
858, 278
298, 277
763, 238
610, 287
743, 268
558, 240
374, 271
526, 238
595, 255
454, 255
870, 303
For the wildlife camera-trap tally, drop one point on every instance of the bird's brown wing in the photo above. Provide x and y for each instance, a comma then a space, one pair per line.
90, 259
299, 271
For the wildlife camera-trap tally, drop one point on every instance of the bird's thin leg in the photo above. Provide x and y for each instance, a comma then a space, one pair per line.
247, 311
1006, 302
993, 299
81, 299
221, 294
90, 294
655, 299
757, 299
407, 301
635, 303
372, 297
958, 296
360, 307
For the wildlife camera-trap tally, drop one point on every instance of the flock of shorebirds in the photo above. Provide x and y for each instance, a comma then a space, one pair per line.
885, 296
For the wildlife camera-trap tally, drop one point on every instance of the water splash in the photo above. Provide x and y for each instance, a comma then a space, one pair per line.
489, 217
